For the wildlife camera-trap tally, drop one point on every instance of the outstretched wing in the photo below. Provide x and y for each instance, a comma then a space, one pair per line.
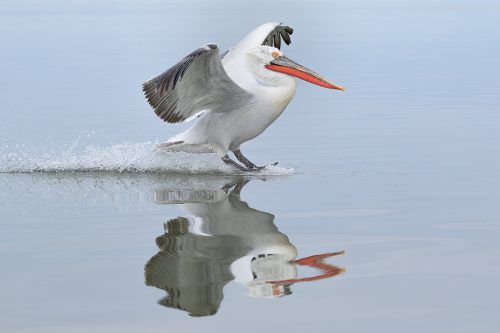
196, 83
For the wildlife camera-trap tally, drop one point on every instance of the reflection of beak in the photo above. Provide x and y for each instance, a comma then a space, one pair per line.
316, 261
284, 65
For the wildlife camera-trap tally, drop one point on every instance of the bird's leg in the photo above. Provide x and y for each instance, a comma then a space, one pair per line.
230, 162
236, 186
237, 189
247, 162
244, 160
228, 186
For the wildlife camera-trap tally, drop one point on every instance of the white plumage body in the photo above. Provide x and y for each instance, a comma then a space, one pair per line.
220, 132
234, 97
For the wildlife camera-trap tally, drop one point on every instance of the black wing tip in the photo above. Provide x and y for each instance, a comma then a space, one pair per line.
150, 93
279, 32
154, 99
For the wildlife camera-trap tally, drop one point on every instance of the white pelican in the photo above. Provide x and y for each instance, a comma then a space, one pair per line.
236, 96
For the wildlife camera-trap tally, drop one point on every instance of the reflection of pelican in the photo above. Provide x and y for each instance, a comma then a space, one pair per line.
224, 240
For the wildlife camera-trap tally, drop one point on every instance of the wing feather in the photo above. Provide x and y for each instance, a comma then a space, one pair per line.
195, 84
279, 32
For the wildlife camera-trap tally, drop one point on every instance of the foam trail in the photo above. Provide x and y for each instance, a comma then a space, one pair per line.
133, 157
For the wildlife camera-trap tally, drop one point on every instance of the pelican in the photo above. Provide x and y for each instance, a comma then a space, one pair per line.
235, 97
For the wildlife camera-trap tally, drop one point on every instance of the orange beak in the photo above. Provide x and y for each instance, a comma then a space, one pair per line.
285, 65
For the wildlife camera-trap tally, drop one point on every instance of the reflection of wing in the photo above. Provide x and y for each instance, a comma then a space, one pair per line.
196, 83
192, 269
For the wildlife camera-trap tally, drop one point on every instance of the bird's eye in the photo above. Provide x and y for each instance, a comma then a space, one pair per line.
275, 54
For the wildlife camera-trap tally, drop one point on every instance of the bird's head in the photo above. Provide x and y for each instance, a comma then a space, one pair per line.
267, 61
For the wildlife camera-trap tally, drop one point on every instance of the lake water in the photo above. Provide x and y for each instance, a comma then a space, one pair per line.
382, 216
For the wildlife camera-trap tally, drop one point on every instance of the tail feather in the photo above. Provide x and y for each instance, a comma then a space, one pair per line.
181, 146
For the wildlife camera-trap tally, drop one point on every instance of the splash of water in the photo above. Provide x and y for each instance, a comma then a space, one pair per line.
127, 157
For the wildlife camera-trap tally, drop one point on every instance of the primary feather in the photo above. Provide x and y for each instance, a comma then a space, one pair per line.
195, 84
